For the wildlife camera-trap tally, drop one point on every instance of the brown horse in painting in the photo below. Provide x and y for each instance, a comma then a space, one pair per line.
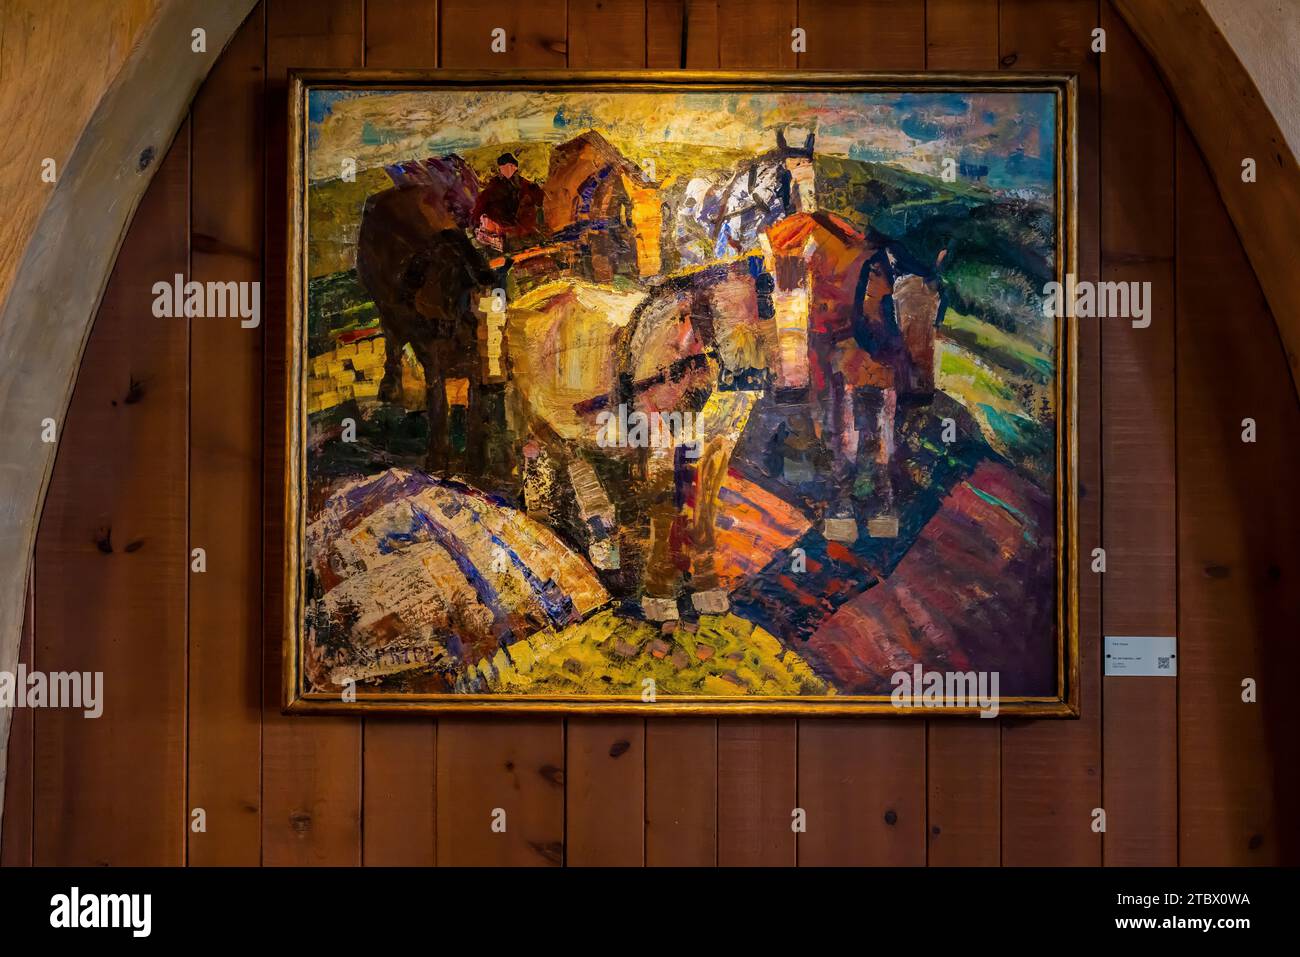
424, 276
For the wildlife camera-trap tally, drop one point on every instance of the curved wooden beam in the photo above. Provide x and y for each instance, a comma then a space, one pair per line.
55, 64
61, 278
1231, 122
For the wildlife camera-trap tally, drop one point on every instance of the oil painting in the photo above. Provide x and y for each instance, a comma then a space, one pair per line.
690, 394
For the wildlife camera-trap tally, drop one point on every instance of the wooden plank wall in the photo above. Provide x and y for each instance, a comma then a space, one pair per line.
963, 759
1139, 592
399, 756
226, 242
1052, 773
165, 449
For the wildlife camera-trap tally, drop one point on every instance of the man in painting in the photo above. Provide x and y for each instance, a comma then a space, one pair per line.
508, 213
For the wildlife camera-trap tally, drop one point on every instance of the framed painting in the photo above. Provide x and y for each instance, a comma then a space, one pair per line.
680, 393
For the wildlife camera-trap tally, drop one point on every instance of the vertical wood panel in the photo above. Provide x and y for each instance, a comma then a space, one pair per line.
755, 34
605, 769
487, 767
964, 785
399, 780
1238, 524
604, 792
113, 534
666, 34
517, 763
225, 629
399, 784
757, 780
757, 757
311, 773
681, 792
19, 781
862, 34
401, 35
1140, 732
681, 34
1051, 770
963, 757
681, 754
961, 34
862, 784
607, 33
535, 33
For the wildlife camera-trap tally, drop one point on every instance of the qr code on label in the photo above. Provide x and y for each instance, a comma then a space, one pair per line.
1162, 664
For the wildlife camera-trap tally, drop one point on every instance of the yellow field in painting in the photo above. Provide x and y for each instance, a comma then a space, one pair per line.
722, 655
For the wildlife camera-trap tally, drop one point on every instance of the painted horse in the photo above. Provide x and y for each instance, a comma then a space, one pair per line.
717, 220
425, 276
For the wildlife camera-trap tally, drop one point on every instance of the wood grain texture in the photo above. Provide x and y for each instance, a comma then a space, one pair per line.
961, 34
681, 792
509, 773
1139, 515
849, 34
604, 792
757, 781
607, 34
399, 792
682, 35
1051, 770
666, 34
535, 34
399, 775
681, 786
110, 790
964, 786
19, 781
1047, 34
755, 34
605, 757
311, 770
523, 757
1231, 122
44, 106
401, 35
756, 757
862, 785
963, 758
225, 630
1239, 607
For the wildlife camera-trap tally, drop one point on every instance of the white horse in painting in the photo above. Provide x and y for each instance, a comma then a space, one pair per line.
725, 219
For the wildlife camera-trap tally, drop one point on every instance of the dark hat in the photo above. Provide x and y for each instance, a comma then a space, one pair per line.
505, 158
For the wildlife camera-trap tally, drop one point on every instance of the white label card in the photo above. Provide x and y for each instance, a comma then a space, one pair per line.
1142, 657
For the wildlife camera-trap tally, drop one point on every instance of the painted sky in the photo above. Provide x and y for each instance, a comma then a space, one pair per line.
1011, 133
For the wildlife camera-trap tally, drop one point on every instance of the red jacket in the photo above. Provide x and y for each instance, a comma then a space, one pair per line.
514, 205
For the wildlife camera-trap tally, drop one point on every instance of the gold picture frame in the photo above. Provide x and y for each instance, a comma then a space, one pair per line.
292, 415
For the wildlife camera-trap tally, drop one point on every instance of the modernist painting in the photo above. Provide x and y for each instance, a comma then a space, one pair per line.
680, 393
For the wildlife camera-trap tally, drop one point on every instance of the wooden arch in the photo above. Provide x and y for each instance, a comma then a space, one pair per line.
1231, 123
69, 255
